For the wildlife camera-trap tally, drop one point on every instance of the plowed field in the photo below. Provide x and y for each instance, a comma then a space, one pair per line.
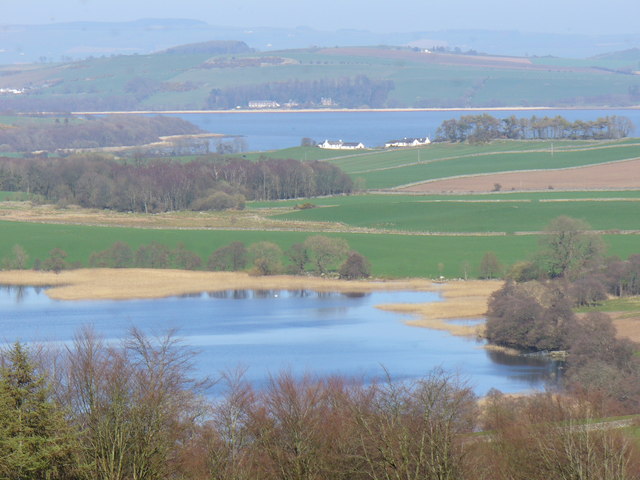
611, 176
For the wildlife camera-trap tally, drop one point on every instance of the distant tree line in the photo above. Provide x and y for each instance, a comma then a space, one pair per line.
218, 183
484, 128
345, 92
109, 131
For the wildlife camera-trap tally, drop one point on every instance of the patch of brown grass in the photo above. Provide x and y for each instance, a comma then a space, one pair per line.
117, 284
627, 324
462, 300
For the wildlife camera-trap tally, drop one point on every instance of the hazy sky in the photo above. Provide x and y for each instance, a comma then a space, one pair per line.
548, 16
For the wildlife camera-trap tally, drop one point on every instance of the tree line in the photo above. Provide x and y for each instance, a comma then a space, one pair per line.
92, 132
485, 128
346, 92
211, 183
133, 410
317, 254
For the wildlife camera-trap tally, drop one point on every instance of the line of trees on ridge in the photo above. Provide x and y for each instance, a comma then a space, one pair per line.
485, 128
346, 92
213, 183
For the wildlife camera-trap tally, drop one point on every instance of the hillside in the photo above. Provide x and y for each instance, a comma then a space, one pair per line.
200, 76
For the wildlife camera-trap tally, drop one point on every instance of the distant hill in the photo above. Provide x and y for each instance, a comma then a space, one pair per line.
78, 40
213, 47
632, 54
229, 74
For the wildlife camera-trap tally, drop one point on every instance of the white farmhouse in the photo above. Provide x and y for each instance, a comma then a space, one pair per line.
263, 104
407, 142
340, 145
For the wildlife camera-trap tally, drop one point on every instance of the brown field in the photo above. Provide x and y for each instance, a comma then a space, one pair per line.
462, 299
479, 61
611, 176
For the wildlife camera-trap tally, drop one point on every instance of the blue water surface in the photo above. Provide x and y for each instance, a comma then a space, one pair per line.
276, 130
275, 330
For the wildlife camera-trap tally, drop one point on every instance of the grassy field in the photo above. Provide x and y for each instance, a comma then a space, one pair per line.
394, 231
392, 255
381, 169
499, 213
410, 166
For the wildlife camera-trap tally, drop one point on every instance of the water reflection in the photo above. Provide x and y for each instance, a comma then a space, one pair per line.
270, 330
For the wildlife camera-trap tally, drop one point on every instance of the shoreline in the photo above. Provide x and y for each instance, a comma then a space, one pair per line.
460, 299
330, 110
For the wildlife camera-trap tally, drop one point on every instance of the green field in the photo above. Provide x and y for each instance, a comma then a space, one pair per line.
396, 232
382, 169
391, 255
497, 213
401, 167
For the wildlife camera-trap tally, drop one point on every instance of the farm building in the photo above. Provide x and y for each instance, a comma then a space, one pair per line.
263, 104
340, 145
408, 142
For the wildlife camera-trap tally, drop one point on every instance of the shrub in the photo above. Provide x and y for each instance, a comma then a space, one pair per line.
355, 266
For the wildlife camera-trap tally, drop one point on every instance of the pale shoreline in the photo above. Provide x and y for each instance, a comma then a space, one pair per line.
336, 110
461, 299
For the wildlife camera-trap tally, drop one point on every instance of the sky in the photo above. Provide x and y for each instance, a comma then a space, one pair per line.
544, 16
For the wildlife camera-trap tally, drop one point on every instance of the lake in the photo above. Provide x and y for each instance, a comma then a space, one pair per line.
268, 331
276, 130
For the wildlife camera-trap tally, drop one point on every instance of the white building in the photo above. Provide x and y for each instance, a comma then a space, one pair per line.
263, 104
340, 145
407, 142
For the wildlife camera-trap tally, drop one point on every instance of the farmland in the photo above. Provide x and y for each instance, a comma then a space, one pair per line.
184, 81
403, 235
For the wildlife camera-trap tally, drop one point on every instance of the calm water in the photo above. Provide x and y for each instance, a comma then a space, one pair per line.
268, 331
271, 131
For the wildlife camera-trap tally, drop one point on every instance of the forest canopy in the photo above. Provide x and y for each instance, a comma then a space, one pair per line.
215, 183
92, 132
484, 128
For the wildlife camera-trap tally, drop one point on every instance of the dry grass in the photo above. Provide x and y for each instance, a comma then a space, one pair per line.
118, 284
463, 299
238, 220
627, 324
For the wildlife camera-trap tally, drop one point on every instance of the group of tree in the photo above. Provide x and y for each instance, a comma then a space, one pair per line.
212, 183
485, 128
346, 92
317, 255
107, 411
534, 311
91, 132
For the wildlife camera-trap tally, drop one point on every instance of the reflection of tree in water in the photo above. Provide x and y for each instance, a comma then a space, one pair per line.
18, 291
234, 294
264, 293
355, 294
530, 370
190, 295
301, 293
